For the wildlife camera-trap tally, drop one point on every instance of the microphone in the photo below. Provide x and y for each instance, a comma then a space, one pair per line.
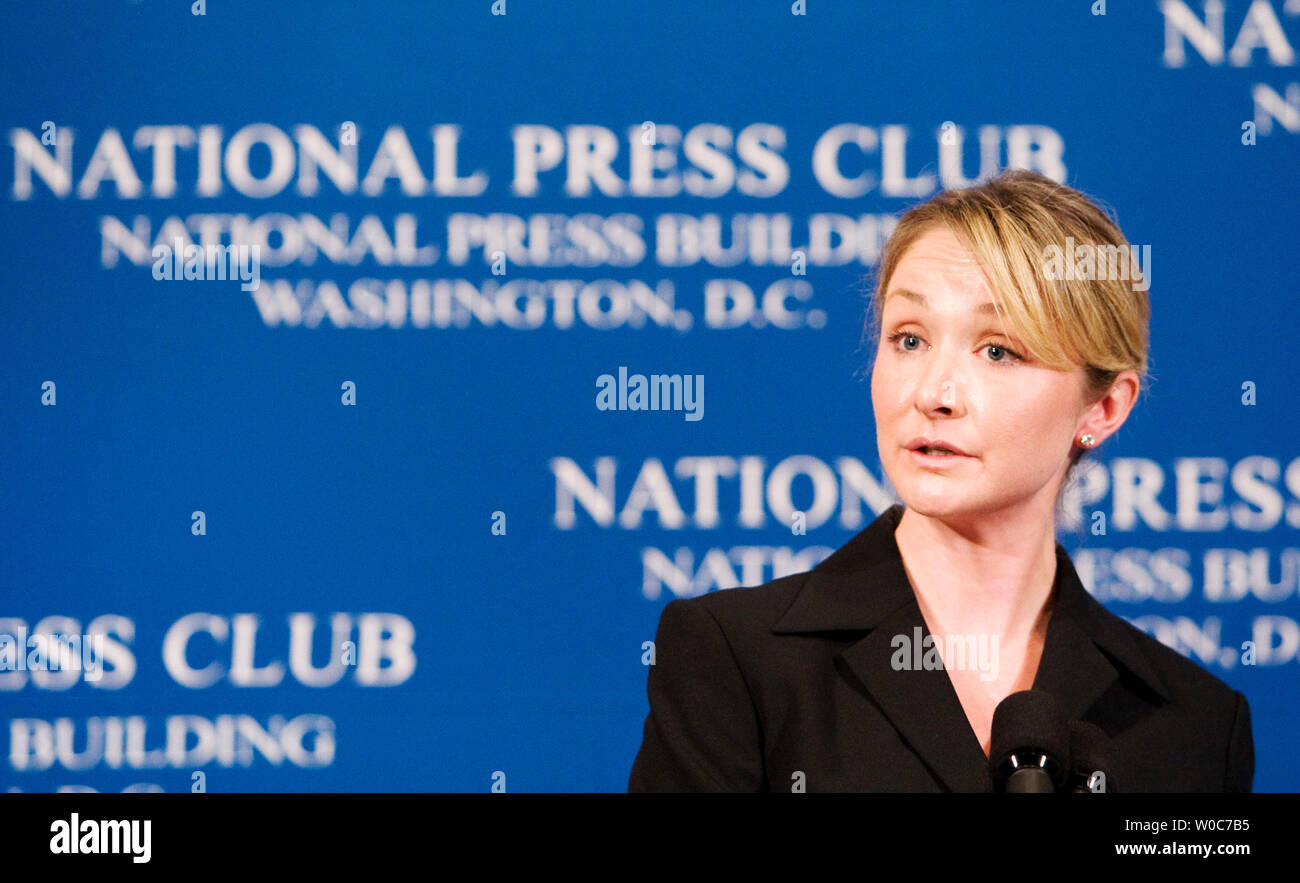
1089, 759
1029, 744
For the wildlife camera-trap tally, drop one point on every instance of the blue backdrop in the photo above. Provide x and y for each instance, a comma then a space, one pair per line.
354, 521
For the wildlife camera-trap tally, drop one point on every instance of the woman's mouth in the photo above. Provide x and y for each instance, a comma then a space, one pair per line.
937, 461
935, 447
936, 455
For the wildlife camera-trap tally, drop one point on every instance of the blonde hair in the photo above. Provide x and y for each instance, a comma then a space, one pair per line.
1011, 223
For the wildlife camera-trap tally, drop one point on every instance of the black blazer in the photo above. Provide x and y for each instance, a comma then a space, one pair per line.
750, 686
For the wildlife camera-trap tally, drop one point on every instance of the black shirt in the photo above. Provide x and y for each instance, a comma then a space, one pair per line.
754, 689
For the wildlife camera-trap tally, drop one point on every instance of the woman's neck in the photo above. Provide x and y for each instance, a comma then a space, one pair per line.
993, 575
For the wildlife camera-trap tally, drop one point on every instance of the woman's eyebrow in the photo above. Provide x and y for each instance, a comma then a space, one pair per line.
919, 299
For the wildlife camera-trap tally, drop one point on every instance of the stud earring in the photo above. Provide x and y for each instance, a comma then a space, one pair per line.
1087, 440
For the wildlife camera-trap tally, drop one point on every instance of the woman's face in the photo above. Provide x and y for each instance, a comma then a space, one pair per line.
951, 374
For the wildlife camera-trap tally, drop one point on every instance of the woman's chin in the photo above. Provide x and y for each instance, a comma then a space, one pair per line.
935, 487
938, 502
931, 508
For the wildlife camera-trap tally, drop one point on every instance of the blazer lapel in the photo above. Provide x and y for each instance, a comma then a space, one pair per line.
1088, 649
921, 704
864, 587
1071, 668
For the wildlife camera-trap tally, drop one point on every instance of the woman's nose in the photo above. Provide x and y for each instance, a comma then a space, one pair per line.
940, 386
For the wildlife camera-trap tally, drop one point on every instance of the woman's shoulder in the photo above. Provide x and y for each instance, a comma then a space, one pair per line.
1186, 680
1196, 705
744, 610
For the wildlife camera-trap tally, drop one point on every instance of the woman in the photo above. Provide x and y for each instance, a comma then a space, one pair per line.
995, 372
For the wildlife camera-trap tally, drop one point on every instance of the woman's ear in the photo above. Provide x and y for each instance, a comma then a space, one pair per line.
1104, 417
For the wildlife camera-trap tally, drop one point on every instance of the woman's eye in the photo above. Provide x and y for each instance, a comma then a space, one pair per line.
998, 353
904, 336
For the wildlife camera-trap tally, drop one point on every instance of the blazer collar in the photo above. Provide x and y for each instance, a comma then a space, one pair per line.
863, 586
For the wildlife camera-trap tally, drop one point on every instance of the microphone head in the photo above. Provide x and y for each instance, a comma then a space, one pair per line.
1028, 723
1089, 754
